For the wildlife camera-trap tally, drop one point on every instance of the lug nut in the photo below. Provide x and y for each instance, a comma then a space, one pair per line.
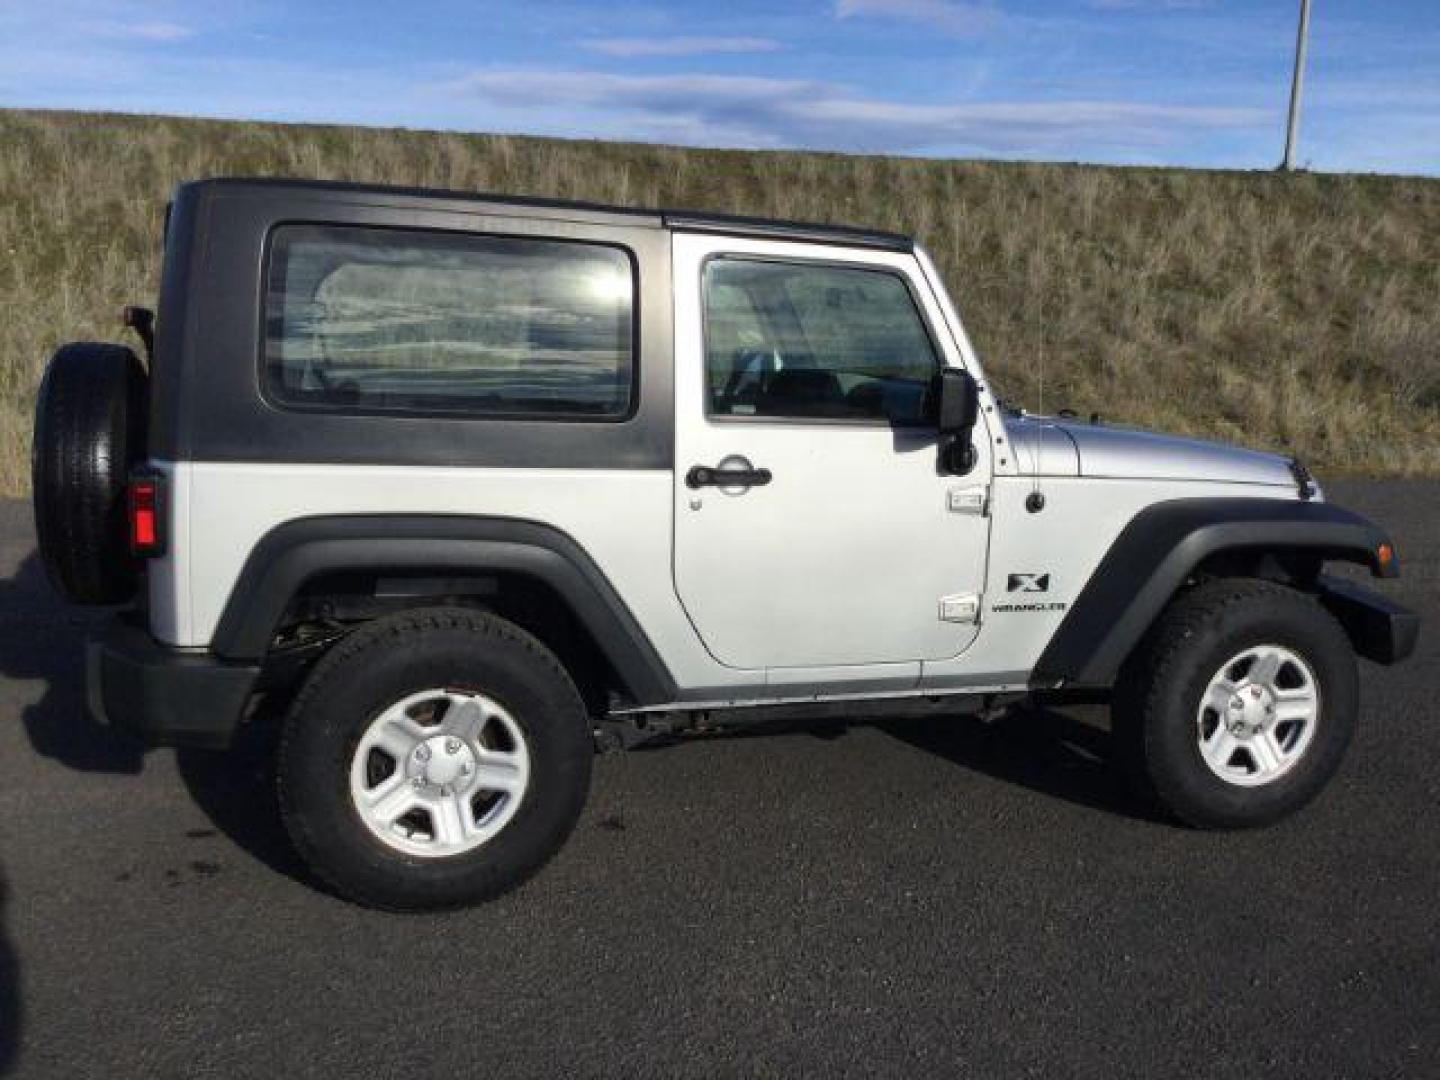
423, 752
452, 746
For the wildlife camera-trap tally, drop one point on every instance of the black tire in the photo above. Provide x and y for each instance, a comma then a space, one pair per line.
89, 433
1158, 697
384, 662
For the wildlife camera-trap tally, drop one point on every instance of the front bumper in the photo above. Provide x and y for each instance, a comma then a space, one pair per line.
1379, 629
167, 696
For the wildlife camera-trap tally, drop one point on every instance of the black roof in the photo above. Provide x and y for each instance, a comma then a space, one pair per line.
679, 220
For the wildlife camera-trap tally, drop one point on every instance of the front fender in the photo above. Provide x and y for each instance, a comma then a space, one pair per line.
1162, 546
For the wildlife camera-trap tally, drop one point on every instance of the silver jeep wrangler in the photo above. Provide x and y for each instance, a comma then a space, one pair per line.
464, 483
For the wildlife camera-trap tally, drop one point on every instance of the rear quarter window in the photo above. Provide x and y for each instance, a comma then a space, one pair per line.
386, 320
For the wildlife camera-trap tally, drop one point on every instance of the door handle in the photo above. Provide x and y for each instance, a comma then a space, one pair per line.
705, 476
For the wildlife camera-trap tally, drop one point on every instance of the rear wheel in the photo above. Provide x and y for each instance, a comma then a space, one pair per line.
433, 759
1239, 707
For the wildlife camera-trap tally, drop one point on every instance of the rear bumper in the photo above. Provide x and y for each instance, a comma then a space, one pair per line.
167, 696
1379, 629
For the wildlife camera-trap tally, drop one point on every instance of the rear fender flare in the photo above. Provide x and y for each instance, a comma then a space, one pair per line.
299, 551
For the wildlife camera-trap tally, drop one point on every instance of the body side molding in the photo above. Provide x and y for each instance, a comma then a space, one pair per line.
1161, 546
299, 550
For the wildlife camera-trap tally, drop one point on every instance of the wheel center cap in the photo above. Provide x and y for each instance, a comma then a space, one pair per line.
1251, 711
444, 759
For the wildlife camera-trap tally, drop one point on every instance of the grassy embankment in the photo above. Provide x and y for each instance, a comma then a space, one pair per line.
1294, 312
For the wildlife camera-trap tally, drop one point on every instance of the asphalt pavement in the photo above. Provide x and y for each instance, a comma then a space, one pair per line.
931, 897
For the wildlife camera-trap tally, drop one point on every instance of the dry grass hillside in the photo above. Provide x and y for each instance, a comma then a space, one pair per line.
1296, 312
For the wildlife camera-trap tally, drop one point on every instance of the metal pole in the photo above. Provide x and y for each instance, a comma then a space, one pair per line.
1297, 86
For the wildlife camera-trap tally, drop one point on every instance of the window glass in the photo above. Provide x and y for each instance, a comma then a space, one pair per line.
378, 319
808, 340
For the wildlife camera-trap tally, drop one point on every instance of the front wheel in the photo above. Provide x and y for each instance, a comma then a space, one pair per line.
433, 759
1238, 708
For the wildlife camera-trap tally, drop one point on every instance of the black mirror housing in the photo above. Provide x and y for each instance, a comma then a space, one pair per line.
958, 402
957, 409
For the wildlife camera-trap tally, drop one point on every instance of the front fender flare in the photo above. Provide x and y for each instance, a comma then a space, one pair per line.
1161, 546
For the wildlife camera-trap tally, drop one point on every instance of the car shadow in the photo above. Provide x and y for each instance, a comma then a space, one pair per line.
236, 789
1047, 750
43, 640
1043, 748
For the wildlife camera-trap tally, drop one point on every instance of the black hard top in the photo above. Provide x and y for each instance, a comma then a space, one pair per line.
595, 213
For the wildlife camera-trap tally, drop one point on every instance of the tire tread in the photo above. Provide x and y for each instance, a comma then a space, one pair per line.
89, 430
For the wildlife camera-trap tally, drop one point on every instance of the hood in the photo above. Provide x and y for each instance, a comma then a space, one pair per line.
1075, 448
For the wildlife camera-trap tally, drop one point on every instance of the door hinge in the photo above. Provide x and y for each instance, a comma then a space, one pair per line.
960, 608
968, 500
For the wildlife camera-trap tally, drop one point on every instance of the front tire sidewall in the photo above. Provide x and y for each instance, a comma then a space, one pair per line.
328, 725
1178, 771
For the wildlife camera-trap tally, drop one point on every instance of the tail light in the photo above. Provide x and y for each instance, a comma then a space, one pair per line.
145, 503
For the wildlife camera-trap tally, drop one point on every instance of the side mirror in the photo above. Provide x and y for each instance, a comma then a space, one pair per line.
958, 407
959, 402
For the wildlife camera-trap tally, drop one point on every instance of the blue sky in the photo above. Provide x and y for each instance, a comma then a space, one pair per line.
1182, 82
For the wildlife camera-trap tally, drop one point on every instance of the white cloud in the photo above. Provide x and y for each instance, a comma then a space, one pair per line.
679, 46
952, 16
763, 112
153, 30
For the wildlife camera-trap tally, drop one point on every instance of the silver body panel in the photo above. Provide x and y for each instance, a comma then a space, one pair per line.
1042, 446
714, 579
1121, 453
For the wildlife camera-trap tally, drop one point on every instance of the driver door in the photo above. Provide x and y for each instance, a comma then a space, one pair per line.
813, 530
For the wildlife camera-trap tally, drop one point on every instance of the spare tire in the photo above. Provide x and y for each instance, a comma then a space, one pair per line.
89, 433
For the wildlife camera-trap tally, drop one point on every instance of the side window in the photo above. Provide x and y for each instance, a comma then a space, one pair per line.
814, 341
732, 329
360, 319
